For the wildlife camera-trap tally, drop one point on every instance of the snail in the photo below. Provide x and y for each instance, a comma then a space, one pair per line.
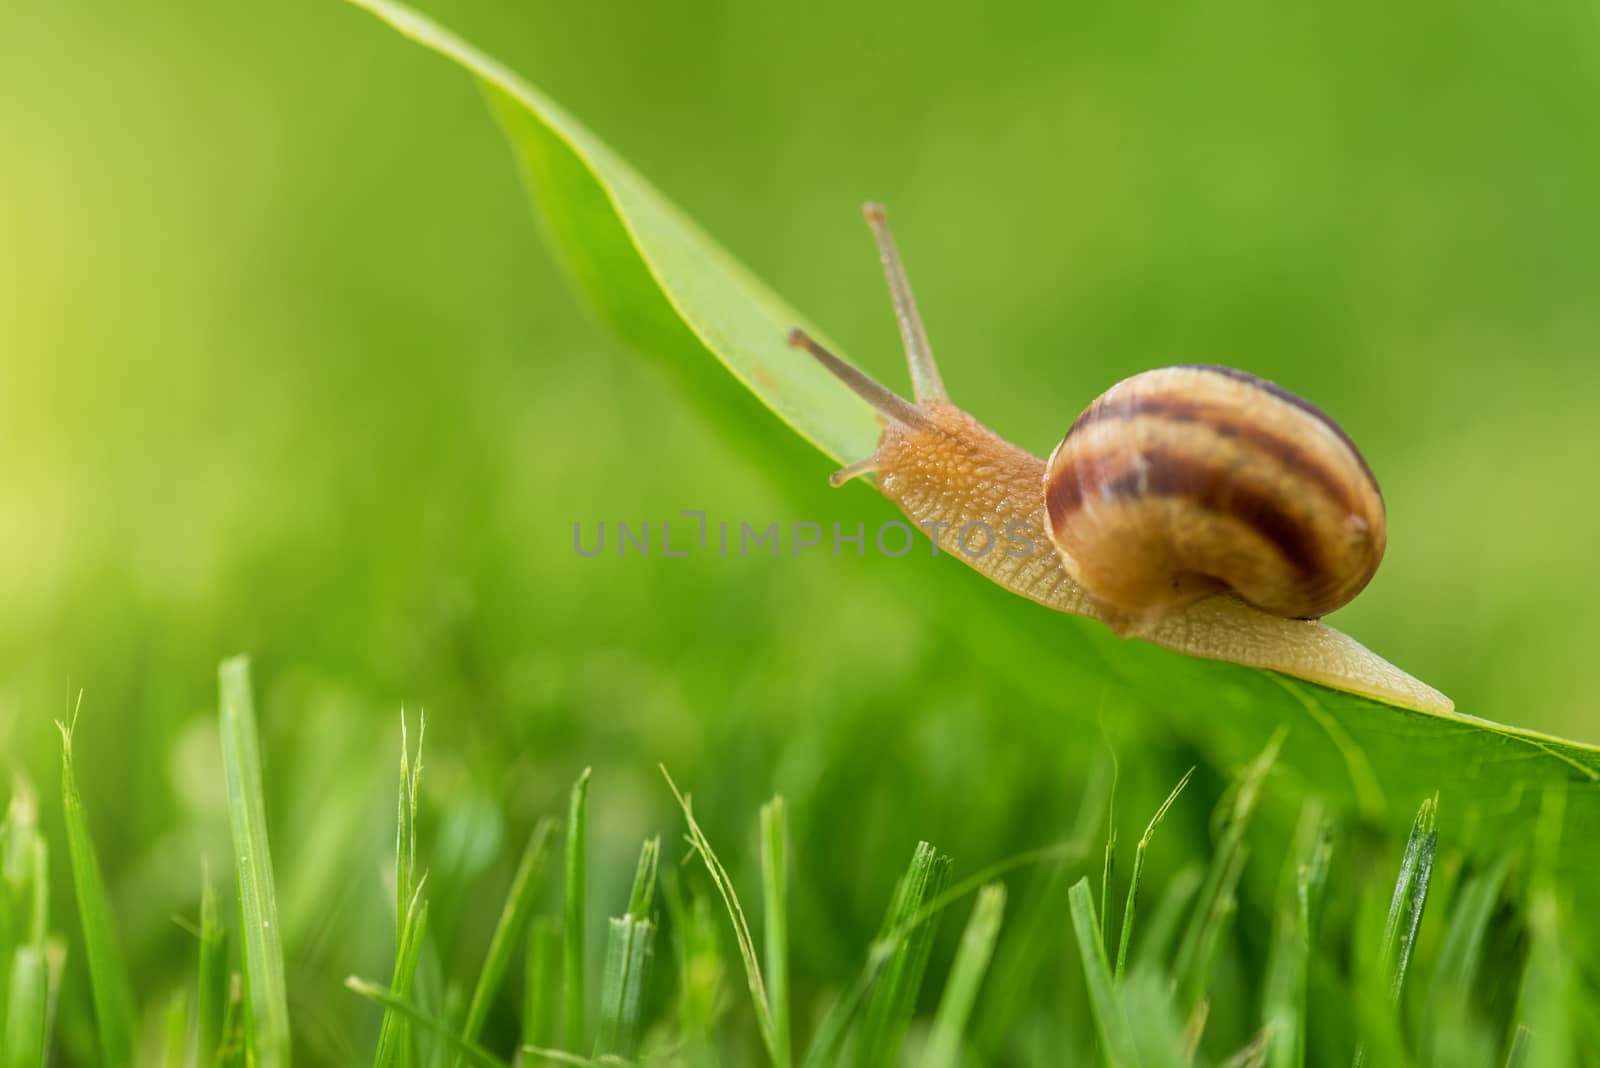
1197, 507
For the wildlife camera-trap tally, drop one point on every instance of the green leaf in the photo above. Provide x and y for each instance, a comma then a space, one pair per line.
375, 992
394, 1035
1284, 1007
22, 1037
572, 956
894, 998
741, 928
1138, 869
630, 949
108, 978
1546, 1004
1454, 1033
175, 1029
1116, 1034
775, 933
519, 902
1216, 903
541, 980
1034, 924
211, 993
1410, 896
1159, 1036
672, 291
266, 997
411, 907
966, 974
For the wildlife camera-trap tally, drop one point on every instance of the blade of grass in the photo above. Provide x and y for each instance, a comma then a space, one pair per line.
405, 834
613, 976
434, 994
1406, 905
1116, 1036
542, 981
1517, 1055
266, 998
24, 880
1020, 957
1109, 867
1452, 1033
1288, 962
698, 954
966, 976
1545, 1002
775, 928
1254, 1054
1159, 1040
561, 1056
395, 1033
831, 1031
572, 969
108, 978
411, 911
630, 947
1410, 895
23, 1033
641, 899
175, 1029
1216, 901
24, 981
375, 992
518, 903
231, 1053
894, 997
1029, 942
1215, 922
211, 987
1138, 869
55, 966
1167, 919
741, 929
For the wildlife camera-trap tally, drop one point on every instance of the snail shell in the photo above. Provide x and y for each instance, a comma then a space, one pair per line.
1181, 482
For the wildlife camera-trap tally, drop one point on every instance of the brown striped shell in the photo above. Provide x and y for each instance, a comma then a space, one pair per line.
1180, 482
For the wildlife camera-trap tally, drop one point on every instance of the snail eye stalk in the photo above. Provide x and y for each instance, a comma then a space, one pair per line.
925, 381
881, 397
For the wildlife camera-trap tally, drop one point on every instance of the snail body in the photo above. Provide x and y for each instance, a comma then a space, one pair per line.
1198, 507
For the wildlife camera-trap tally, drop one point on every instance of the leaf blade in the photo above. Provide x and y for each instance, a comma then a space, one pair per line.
109, 982
266, 990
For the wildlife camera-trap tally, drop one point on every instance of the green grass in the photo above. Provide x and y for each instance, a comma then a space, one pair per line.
966, 977
509, 928
630, 951
113, 989
1129, 910
1294, 927
1110, 1018
573, 949
913, 996
211, 977
907, 934
775, 926
266, 1015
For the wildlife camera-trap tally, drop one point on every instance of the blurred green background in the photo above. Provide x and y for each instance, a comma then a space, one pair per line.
285, 369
